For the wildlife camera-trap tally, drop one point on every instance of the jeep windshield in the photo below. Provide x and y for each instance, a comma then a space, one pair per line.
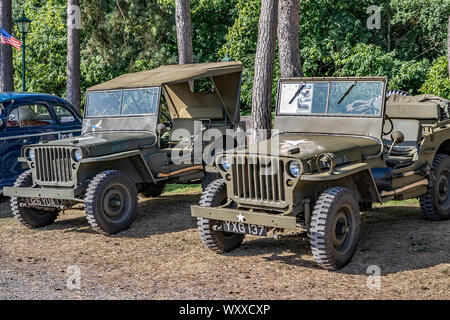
122, 102
331, 98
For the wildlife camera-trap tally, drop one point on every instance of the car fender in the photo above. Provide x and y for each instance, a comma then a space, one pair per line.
359, 172
136, 158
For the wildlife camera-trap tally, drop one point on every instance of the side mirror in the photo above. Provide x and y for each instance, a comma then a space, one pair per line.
397, 137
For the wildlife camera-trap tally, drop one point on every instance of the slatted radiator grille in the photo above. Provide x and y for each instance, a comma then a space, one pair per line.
258, 178
53, 165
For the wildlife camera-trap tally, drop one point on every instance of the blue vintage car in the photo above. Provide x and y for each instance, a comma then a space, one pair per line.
28, 118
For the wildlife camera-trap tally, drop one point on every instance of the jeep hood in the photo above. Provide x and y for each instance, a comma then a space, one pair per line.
305, 146
104, 143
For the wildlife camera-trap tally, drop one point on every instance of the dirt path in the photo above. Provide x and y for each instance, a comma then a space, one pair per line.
161, 257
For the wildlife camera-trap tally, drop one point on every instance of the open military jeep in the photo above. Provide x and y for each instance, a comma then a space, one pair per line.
128, 145
341, 146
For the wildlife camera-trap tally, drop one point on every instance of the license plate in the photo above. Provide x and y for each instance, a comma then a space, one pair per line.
42, 202
244, 228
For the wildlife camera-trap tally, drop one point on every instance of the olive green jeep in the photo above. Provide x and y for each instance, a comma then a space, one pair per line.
338, 145
140, 131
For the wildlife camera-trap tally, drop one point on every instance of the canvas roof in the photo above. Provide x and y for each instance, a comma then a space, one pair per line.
169, 74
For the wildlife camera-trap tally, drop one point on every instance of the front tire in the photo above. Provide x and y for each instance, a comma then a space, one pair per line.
335, 228
435, 204
208, 178
111, 202
30, 217
215, 195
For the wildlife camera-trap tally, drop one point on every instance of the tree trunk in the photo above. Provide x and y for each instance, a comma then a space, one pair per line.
288, 25
6, 58
264, 64
448, 46
184, 37
73, 53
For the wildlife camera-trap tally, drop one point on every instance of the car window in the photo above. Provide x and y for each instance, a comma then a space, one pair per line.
122, 102
359, 98
355, 98
29, 116
63, 114
140, 101
104, 103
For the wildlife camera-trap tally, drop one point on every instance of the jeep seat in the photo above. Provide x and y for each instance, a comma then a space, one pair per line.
407, 117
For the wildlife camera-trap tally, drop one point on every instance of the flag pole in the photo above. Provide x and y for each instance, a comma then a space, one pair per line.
24, 86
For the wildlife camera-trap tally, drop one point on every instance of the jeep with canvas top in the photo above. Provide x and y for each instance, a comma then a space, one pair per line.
129, 144
338, 145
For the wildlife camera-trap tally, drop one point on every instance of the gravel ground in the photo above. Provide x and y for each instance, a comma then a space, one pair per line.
161, 257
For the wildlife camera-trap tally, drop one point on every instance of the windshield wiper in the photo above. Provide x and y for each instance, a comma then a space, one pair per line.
347, 92
297, 93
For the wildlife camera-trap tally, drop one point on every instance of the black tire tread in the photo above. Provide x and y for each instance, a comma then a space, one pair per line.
155, 190
92, 192
426, 201
210, 238
323, 255
25, 180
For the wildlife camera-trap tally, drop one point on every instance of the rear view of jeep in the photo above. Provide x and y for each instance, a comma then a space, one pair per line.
338, 145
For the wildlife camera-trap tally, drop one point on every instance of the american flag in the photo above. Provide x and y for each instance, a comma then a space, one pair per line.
6, 38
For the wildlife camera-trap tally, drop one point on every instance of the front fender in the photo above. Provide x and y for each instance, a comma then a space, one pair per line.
360, 170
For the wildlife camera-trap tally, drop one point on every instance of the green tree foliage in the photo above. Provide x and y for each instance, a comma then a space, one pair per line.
46, 46
120, 36
437, 81
117, 37
335, 40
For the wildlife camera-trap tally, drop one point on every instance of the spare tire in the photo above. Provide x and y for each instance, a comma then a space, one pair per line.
397, 92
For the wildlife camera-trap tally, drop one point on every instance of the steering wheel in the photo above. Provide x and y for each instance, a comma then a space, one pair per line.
392, 125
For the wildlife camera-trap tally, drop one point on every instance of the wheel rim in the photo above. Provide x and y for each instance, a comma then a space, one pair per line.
342, 229
115, 203
442, 190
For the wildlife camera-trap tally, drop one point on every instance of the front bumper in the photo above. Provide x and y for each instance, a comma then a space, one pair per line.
52, 193
257, 218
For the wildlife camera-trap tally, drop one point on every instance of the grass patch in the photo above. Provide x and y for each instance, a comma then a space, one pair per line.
413, 201
181, 188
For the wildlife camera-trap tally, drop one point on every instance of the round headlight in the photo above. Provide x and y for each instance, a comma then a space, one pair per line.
77, 155
225, 163
295, 169
31, 154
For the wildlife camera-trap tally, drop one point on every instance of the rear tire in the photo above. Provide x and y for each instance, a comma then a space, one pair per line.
335, 228
154, 190
213, 196
30, 217
435, 204
111, 202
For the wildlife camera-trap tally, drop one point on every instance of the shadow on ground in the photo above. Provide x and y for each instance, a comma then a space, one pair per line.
394, 238
165, 214
5, 209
